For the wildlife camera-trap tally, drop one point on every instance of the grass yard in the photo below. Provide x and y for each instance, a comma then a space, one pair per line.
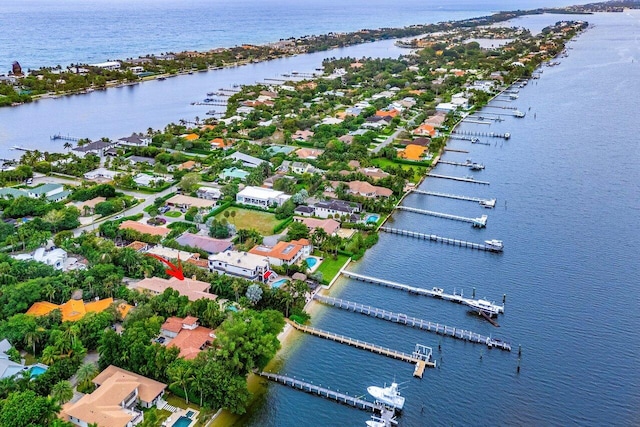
173, 214
384, 164
330, 267
262, 222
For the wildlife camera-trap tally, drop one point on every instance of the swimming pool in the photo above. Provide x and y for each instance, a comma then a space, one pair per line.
311, 261
36, 371
373, 218
182, 422
279, 283
189, 414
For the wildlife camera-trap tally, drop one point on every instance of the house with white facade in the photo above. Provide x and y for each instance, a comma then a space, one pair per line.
261, 197
240, 264
135, 140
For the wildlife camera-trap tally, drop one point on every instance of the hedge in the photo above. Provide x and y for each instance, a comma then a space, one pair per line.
217, 210
282, 225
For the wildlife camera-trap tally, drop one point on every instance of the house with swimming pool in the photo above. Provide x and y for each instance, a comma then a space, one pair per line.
115, 402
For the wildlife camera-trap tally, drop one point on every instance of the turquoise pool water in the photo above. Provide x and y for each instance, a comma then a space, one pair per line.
182, 422
311, 261
37, 371
373, 218
189, 414
279, 283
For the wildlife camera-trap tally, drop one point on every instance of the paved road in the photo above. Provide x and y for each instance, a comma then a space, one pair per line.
139, 208
388, 140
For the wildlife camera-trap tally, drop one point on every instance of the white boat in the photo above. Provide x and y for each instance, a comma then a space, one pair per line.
387, 395
484, 306
519, 114
476, 166
494, 244
377, 421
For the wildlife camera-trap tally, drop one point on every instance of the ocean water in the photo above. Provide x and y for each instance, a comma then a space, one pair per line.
568, 188
48, 32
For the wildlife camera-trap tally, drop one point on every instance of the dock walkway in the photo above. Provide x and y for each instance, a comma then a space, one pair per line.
449, 331
440, 239
486, 134
416, 357
435, 292
457, 178
484, 202
324, 392
480, 222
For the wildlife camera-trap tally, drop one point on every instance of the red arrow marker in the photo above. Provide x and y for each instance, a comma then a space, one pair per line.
172, 270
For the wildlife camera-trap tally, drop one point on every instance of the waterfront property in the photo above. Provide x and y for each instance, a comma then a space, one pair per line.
115, 400
326, 209
284, 252
187, 335
241, 264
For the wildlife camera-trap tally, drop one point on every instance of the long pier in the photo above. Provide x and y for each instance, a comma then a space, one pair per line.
454, 150
449, 331
447, 162
219, 103
487, 203
476, 222
457, 178
440, 239
324, 392
486, 134
435, 292
64, 138
416, 357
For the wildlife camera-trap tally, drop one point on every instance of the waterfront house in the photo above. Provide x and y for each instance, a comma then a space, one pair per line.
375, 173
412, 152
364, 189
425, 130
240, 264
115, 401
284, 252
97, 148
109, 65
261, 197
330, 226
135, 140
191, 288
324, 209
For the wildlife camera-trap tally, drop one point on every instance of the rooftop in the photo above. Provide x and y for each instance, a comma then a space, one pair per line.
285, 251
191, 288
208, 244
144, 228
71, 310
181, 199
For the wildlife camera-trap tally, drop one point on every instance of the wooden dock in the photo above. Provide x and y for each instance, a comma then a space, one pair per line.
440, 239
453, 150
219, 103
416, 357
324, 392
465, 164
487, 203
458, 178
435, 292
64, 138
476, 222
485, 134
403, 319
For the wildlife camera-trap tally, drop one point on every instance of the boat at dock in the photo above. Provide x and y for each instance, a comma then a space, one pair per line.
377, 421
387, 395
494, 244
483, 306
476, 166
488, 204
519, 114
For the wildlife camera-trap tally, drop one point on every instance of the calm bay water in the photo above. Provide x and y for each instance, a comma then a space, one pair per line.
568, 202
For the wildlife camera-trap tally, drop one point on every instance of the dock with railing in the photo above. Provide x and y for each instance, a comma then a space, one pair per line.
480, 222
440, 239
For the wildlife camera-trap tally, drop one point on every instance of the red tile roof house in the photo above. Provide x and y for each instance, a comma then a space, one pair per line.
187, 335
363, 188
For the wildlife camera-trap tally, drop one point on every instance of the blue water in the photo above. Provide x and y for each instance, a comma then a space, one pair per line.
189, 414
37, 371
373, 218
182, 422
568, 188
48, 33
279, 283
311, 261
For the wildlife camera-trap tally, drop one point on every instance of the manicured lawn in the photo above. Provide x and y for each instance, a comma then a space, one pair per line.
173, 214
384, 164
262, 222
330, 267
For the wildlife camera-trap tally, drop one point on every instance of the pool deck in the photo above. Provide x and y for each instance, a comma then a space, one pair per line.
179, 412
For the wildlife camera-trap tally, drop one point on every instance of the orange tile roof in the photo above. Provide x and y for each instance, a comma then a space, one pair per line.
71, 310
390, 113
412, 152
124, 309
188, 165
191, 136
172, 324
137, 246
144, 228
190, 341
425, 129
285, 251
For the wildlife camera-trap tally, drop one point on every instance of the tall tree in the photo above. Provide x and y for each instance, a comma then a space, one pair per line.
62, 392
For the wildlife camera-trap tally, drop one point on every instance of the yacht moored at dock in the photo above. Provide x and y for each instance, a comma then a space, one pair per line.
389, 396
483, 306
494, 244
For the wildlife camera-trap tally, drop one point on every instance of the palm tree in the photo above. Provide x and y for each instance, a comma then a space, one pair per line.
181, 375
287, 298
49, 355
33, 336
62, 392
67, 146
86, 373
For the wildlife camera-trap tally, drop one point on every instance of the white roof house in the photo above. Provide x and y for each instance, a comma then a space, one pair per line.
109, 65
55, 257
247, 160
101, 173
261, 197
240, 264
145, 180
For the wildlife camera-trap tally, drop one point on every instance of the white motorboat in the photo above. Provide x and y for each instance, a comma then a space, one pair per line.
486, 307
387, 395
494, 244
